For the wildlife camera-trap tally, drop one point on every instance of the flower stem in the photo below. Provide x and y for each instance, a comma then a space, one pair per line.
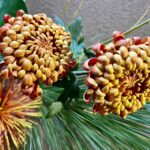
82, 72
131, 30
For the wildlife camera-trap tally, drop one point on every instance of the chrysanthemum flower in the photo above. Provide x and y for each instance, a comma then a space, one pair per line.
16, 113
35, 48
33, 91
119, 75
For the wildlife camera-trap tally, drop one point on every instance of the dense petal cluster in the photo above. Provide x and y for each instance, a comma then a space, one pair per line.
119, 75
33, 91
35, 48
16, 112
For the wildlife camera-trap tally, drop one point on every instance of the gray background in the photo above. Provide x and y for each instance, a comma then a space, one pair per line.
100, 17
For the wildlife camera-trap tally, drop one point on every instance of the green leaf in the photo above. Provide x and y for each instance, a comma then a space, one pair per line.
75, 28
50, 94
71, 89
60, 22
88, 53
54, 109
10, 7
81, 40
76, 48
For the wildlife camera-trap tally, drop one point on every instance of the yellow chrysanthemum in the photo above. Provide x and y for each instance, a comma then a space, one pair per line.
35, 48
119, 76
16, 112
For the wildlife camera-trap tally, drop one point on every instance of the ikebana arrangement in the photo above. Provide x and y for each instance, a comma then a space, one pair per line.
49, 82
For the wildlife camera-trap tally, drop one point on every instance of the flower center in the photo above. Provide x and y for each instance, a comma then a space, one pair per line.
134, 85
45, 41
1, 108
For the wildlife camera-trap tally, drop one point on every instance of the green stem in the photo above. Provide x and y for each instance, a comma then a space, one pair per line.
82, 72
78, 9
130, 30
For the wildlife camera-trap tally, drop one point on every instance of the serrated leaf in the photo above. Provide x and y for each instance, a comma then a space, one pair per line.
75, 28
10, 7
76, 48
81, 40
60, 22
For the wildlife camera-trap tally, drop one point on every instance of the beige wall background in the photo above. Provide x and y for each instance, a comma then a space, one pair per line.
100, 17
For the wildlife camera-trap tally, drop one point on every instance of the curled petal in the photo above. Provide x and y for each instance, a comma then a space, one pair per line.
20, 13
122, 42
146, 40
95, 108
89, 62
7, 25
3, 31
38, 46
6, 18
96, 71
4, 73
137, 40
28, 91
119, 81
33, 92
98, 48
86, 97
72, 64
91, 83
118, 36
131, 41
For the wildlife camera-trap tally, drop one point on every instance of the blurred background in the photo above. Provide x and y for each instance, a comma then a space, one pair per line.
100, 17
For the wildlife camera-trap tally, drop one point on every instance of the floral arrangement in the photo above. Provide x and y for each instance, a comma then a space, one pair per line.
55, 93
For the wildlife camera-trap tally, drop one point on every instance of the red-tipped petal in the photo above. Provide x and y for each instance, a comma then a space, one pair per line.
98, 48
49, 81
6, 18
131, 41
122, 42
7, 25
63, 74
91, 83
72, 64
4, 74
118, 36
137, 40
96, 107
89, 62
3, 30
86, 97
20, 12
146, 40
36, 91
95, 70
27, 91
